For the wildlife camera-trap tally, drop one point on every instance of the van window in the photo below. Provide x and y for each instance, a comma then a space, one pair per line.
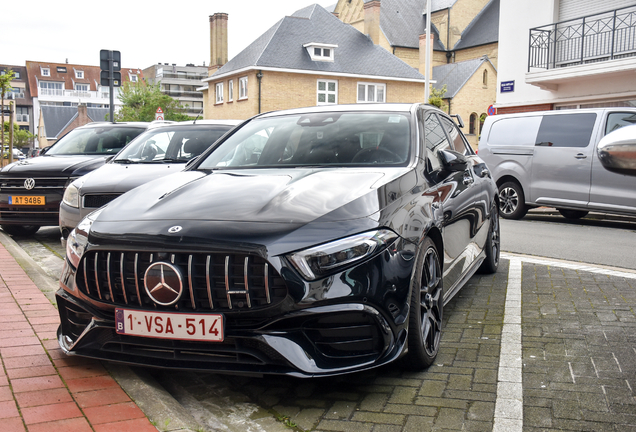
516, 131
618, 120
566, 130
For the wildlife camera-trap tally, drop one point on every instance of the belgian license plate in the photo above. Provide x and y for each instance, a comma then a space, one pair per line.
169, 325
26, 200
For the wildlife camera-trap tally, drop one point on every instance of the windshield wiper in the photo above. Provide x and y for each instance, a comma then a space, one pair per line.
125, 161
168, 160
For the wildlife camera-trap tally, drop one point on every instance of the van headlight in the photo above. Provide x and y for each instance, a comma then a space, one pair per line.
72, 193
323, 260
78, 238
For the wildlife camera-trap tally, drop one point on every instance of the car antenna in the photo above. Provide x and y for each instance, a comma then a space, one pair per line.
197, 117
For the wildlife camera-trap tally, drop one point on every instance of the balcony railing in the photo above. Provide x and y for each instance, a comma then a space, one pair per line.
178, 93
73, 93
197, 77
591, 39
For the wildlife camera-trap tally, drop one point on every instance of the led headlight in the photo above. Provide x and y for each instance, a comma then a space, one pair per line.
72, 193
328, 258
78, 238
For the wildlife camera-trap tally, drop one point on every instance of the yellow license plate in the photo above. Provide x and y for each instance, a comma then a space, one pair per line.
26, 200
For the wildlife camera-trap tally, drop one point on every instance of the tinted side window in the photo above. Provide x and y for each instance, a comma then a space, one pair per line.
567, 130
618, 120
459, 145
514, 131
435, 140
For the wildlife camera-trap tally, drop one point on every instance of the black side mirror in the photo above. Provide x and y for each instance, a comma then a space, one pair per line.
617, 151
453, 161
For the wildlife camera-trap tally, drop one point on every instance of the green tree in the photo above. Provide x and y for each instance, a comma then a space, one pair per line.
436, 97
141, 100
5, 86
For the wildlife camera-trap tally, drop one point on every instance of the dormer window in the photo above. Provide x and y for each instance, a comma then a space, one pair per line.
79, 74
321, 52
45, 72
61, 69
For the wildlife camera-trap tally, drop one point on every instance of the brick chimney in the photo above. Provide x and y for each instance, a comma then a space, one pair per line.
218, 41
82, 115
372, 20
422, 55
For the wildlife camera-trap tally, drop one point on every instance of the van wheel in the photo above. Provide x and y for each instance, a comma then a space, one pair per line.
512, 203
573, 214
20, 230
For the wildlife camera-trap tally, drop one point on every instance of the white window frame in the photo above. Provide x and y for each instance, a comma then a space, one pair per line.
230, 90
133, 78
366, 92
326, 92
320, 51
219, 93
80, 87
79, 74
243, 88
45, 72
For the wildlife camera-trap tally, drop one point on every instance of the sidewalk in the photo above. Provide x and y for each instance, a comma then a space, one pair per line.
42, 389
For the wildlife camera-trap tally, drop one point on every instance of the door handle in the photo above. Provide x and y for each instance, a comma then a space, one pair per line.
581, 156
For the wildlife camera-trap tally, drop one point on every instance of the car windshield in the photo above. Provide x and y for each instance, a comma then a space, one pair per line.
94, 140
171, 144
316, 139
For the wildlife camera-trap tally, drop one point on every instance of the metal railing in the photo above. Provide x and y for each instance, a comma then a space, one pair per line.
595, 38
189, 76
73, 93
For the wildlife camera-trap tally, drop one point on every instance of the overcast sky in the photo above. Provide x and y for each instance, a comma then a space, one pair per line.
144, 33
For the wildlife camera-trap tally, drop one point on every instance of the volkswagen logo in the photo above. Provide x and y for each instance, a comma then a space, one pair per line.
29, 184
163, 283
174, 229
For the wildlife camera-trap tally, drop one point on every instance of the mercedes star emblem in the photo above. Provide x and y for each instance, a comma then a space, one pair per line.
163, 283
174, 229
29, 184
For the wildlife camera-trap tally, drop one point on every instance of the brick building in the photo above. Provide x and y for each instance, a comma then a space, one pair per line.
308, 58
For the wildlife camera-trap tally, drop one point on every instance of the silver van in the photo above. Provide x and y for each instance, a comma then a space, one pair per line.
550, 158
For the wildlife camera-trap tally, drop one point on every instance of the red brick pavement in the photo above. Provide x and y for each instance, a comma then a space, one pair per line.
42, 389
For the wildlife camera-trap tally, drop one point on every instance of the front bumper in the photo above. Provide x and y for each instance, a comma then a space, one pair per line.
351, 321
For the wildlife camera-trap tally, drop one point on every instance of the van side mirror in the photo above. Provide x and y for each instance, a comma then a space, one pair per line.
453, 161
617, 151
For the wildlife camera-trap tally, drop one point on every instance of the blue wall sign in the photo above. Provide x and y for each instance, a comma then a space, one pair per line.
506, 86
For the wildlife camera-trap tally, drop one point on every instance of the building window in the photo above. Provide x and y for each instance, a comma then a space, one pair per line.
81, 87
230, 90
320, 52
61, 69
327, 92
50, 88
16, 75
133, 78
46, 71
219, 93
79, 74
371, 92
472, 123
485, 78
243, 88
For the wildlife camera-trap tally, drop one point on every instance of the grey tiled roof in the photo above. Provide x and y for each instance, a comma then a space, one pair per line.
57, 118
455, 75
282, 47
403, 21
484, 29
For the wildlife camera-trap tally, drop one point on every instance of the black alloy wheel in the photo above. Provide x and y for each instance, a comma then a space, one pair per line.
426, 312
512, 204
492, 246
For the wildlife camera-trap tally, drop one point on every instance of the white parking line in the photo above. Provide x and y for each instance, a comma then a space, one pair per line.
509, 403
626, 273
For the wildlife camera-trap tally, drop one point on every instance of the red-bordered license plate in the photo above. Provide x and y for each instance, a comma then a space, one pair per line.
169, 325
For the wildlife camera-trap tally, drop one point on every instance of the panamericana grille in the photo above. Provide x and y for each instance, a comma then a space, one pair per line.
212, 282
40, 182
97, 201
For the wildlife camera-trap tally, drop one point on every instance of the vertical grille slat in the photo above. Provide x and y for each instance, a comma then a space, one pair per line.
215, 281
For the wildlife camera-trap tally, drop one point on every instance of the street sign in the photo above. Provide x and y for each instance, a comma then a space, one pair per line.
103, 60
492, 110
506, 86
159, 114
105, 81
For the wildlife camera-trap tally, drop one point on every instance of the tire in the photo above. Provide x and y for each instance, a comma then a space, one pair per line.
512, 201
426, 311
492, 246
573, 214
20, 230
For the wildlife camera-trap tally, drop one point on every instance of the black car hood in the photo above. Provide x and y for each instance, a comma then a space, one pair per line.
53, 165
291, 196
120, 178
